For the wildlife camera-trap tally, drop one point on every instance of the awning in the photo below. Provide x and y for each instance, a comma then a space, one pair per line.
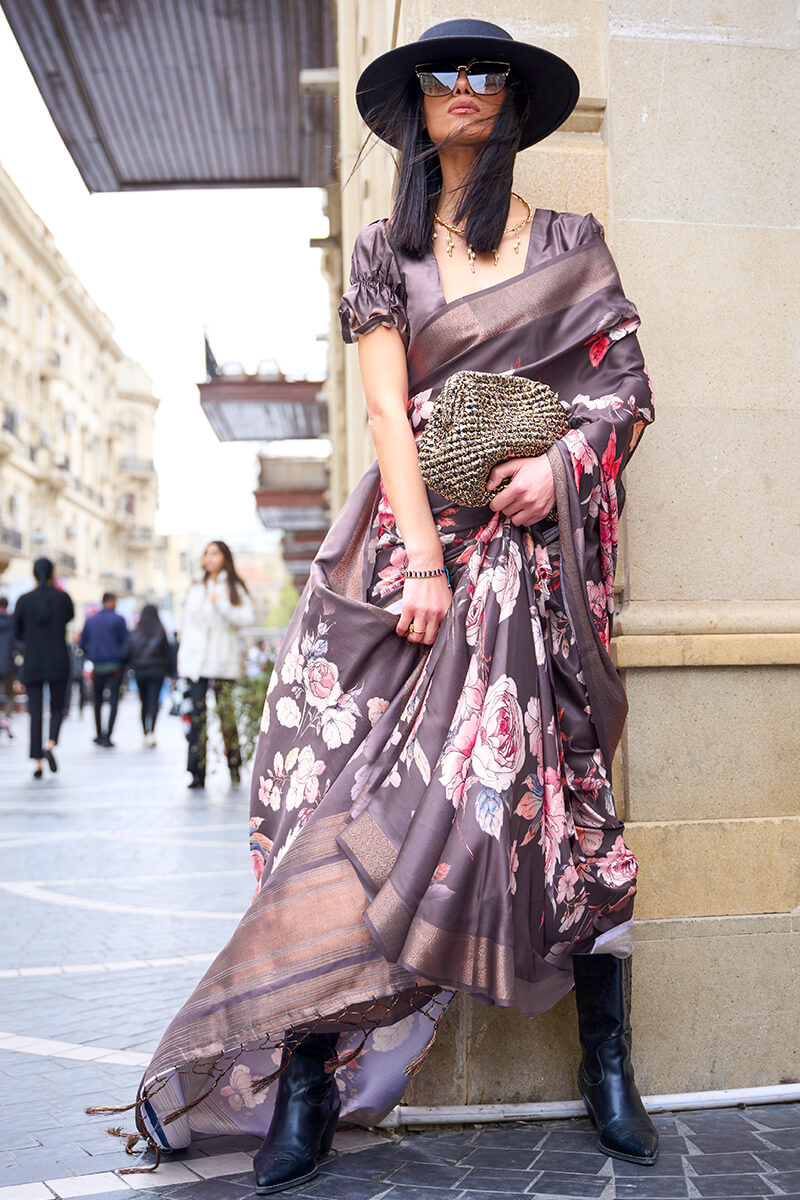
184, 93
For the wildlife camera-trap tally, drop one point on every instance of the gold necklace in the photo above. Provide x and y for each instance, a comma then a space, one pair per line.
451, 229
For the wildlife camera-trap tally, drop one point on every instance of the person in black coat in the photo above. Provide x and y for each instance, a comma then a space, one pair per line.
40, 625
151, 658
6, 667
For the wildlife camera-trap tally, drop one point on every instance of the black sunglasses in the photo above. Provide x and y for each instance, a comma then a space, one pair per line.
484, 78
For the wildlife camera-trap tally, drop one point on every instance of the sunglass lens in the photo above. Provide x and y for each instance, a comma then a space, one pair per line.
437, 83
487, 79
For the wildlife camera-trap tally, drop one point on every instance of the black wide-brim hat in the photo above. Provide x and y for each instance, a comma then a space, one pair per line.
553, 86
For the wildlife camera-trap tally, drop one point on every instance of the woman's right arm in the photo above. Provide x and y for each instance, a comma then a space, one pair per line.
384, 373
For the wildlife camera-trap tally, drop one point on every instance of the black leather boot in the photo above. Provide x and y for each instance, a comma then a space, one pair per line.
304, 1121
605, 1076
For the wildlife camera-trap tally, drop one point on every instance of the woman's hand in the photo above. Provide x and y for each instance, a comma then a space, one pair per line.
530, 495
425, 605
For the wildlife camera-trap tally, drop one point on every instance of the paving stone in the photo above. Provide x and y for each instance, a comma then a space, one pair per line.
649, 1186
720, 1186
667, 1164
428, 1175
781, 1160
724, 1164
329, 1188
519, 1160
776, 1116
578, 1186
501, 1179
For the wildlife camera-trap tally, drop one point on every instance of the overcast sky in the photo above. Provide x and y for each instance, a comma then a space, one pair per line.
164, 265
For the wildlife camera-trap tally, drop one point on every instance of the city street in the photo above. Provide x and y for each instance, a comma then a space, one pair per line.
118, 885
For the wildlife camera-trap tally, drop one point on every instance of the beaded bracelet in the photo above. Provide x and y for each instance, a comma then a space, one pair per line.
430, 574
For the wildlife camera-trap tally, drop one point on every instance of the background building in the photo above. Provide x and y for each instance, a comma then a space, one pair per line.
77, 480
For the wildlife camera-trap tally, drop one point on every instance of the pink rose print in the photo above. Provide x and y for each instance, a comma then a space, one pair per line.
456, 760
619, 866
477, 610
269, 793
321, 679
554, 821
568, 880
583, 457
441, 873
505, 581
238, 1091
513, 866
609, 463
499, 752
339, 722
292, 666
304, 781
533, 724
376, 707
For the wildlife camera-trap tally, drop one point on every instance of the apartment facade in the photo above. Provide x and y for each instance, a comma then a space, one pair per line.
77, 420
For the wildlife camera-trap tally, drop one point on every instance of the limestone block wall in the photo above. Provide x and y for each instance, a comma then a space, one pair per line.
684, 145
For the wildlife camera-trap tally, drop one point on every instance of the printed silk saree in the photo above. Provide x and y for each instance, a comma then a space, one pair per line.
424, 822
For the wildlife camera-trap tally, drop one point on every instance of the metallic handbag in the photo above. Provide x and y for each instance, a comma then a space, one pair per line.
481, 419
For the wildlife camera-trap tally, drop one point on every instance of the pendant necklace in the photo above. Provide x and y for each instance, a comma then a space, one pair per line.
451, 229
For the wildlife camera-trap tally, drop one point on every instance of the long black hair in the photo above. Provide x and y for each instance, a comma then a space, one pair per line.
486, 189
150, 623
235, 580
43, 572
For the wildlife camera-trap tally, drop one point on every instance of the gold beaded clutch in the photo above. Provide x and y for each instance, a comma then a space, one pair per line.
481, 419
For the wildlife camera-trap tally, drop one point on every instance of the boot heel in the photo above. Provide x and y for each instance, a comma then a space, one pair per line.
326, 1141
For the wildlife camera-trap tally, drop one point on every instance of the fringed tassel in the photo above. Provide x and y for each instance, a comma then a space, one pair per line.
414, 1066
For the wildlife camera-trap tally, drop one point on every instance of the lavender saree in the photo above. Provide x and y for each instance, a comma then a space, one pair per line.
426, 821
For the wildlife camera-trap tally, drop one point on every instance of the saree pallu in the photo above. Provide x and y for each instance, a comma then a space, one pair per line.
426, 821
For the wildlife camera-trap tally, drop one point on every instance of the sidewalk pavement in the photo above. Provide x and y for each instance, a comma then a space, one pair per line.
117, 888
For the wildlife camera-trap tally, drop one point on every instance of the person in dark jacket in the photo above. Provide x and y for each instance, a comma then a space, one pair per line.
40, 625
6, 667
105, 641
151, 659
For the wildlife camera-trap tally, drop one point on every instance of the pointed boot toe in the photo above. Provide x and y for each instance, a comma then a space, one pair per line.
278, 1170
633, 1141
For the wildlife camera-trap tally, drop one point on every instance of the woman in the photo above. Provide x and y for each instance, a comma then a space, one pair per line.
151, 660
217, 609
431, 805
40, 624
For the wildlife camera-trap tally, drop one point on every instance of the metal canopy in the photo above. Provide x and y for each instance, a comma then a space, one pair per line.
183, 93
263, 410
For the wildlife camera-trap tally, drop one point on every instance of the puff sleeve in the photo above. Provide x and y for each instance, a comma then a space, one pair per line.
377, 293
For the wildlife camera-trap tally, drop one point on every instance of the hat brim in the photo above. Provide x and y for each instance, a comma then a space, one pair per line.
552, 84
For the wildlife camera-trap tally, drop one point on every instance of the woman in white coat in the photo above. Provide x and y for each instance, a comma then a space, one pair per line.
217, 608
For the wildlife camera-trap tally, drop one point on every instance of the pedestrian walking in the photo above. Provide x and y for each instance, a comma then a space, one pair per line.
104, 641
77, 681
7, 670
217, 608
431, 809
40, 626
151, 660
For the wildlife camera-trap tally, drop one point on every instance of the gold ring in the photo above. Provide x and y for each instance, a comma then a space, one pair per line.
411, 628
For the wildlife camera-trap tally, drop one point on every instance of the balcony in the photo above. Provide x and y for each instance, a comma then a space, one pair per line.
138, 468
138, 537
51, 364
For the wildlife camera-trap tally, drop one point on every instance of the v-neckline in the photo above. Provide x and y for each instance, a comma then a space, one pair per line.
491, 287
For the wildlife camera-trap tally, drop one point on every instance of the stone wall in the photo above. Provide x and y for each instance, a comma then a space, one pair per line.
684, 146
